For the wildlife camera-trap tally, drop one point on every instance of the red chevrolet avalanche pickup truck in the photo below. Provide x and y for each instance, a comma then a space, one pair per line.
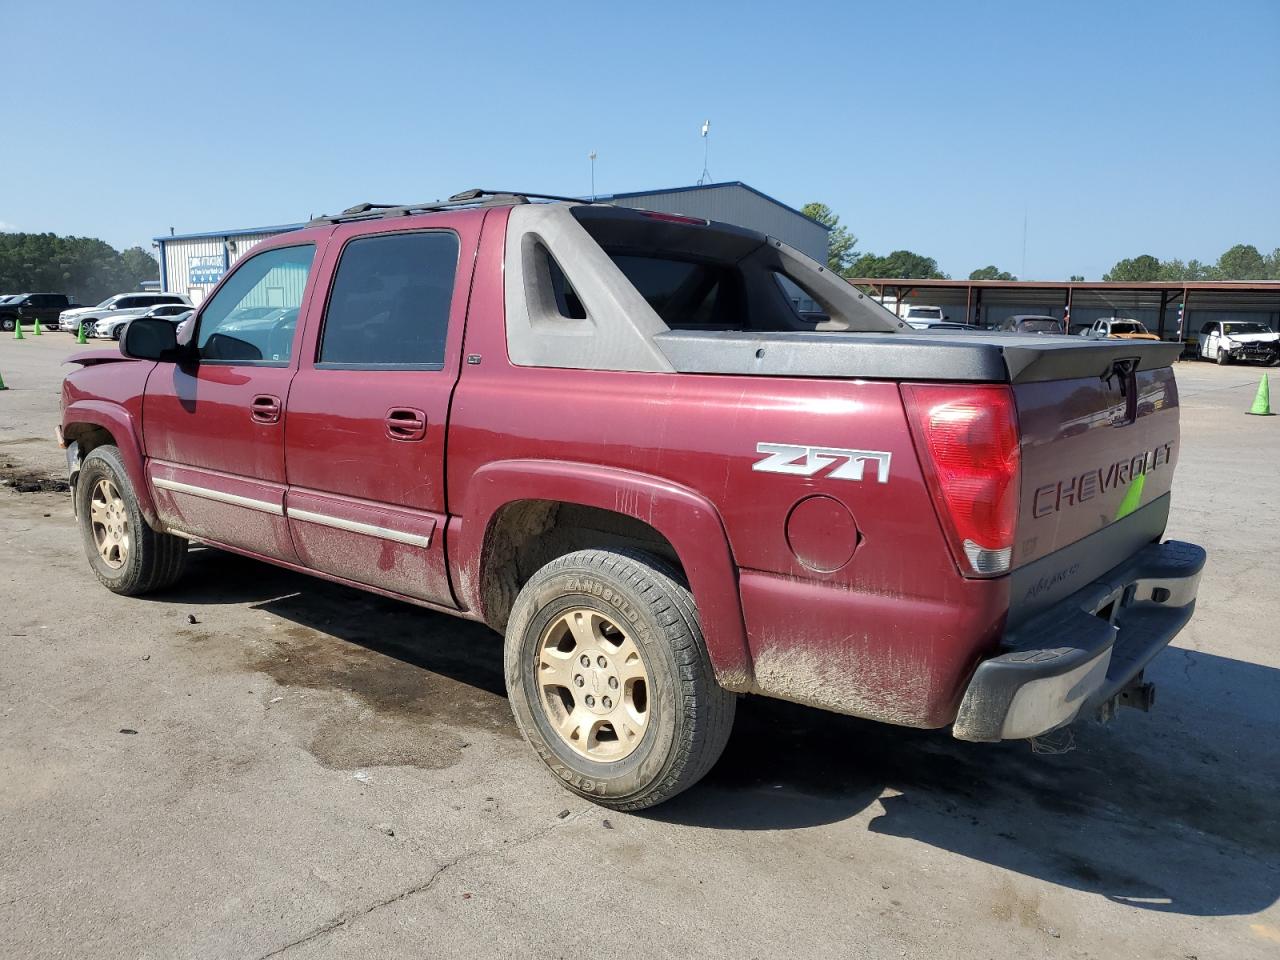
611, 435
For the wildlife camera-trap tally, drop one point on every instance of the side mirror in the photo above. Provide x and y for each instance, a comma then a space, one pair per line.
946, 316
150, 338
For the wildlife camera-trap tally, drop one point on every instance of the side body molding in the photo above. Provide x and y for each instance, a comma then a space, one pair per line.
689, 522
116, 419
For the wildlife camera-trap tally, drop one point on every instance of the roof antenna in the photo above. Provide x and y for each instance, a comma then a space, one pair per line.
592, 157
706, 151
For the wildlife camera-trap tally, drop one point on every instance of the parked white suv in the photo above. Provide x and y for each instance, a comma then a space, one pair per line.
1236, 340
71, 320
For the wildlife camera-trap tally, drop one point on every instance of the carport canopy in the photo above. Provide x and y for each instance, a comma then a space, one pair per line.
1159, 304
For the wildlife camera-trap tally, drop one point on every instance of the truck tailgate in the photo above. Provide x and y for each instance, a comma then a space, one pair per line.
1097, 459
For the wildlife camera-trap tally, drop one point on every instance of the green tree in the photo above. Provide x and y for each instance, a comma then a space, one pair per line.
1242, 262
83, 267
139, 265
1273, 264
1077, 278
899, 264
991, 272
1136, 270
840, 242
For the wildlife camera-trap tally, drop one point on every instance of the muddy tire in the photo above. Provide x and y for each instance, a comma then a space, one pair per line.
126, 555
609, 678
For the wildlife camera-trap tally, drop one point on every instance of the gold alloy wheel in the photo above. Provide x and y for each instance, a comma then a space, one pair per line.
110, 522
594, 685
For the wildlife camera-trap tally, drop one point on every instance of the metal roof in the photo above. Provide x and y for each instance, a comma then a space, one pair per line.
1203, 294
1255, 286
219, 234
709, 186
600, 198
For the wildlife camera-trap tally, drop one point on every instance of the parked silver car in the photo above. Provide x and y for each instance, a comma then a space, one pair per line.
110, 328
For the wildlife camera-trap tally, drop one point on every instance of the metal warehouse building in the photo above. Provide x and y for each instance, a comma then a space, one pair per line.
193, 263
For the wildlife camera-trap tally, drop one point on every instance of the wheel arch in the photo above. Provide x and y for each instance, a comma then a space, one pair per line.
559, 507
93, 423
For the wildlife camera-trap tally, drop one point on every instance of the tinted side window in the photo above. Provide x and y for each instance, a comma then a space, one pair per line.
252, 317
390, 301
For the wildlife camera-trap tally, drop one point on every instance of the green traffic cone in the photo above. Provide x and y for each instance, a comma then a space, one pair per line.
17, 330
1262, 402
36, 331
2, 386
80, 337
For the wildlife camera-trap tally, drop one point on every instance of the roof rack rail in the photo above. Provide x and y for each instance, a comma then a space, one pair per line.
467, 198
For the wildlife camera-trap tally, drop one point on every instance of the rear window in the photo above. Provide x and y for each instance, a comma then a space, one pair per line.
1126, 328
686, 295
924, 313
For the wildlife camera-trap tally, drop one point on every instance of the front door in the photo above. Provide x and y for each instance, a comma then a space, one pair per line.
366, 419
213, 427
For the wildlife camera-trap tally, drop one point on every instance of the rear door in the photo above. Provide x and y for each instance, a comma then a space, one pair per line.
367, 413
213, 428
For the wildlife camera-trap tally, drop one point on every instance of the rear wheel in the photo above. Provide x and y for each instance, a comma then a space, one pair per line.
609, 678
7, 324
126, 555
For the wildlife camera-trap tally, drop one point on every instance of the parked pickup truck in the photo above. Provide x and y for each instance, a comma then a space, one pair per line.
609, 434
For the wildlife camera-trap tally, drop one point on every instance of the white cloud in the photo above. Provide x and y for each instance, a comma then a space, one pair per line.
7, 227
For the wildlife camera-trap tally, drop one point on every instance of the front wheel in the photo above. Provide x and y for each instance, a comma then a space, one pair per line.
609, 678
1223, 358
126, 555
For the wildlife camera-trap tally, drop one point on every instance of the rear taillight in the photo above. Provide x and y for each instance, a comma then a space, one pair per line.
967, 440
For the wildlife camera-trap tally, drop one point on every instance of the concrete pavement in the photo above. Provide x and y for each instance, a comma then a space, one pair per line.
317, 772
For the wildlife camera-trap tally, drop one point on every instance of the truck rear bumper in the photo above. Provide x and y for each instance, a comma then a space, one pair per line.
1082, 652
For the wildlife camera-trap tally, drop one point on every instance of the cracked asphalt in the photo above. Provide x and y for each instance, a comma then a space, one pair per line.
256, 764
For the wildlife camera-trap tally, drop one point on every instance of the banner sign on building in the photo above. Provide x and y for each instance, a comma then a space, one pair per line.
205, 271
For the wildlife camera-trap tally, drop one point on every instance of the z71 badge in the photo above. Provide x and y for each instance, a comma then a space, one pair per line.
807, 461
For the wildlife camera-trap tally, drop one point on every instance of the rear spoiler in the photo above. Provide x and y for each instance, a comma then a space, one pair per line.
965, 357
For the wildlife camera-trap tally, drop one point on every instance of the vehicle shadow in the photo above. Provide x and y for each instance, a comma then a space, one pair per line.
1174, 811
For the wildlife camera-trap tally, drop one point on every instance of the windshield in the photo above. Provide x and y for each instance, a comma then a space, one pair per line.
1230, 328
107, 302
1040, 326
1128, 326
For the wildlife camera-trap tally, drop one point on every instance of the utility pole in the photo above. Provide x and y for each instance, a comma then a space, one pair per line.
1023, 274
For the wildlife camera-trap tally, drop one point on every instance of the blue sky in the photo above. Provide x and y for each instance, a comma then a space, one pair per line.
1116, 128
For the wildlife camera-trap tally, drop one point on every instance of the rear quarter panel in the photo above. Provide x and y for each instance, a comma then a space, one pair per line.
892, 632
